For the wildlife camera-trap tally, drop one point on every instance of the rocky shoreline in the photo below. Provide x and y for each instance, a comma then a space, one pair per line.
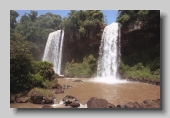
144, 80
94, 102
70, 101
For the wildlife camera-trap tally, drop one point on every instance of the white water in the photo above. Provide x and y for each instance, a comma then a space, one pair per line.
62, 105
109, 56
53, 49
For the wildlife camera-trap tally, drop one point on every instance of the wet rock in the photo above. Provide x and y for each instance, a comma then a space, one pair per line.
132, 105
59, 91
71, 101
75, 104
97, 103
77, 81
22, 100
157, 83
56, 86
151, 103
89, 102
66, 86
43, 101
119, 106
137, 105
144, 80
38, 98
110, 106
47, 106
146, 104
143, 105
69, 97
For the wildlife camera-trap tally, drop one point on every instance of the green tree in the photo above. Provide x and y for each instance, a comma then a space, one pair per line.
20, 62
49, 21
83, 24
33, 15
13, 16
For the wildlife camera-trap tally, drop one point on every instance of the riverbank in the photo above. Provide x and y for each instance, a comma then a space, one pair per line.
143, 80
119, 95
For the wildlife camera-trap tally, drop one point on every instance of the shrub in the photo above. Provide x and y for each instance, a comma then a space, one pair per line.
136, 71
85, 69
45, 92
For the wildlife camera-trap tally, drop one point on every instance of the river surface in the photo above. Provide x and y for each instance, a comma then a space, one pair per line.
115, 93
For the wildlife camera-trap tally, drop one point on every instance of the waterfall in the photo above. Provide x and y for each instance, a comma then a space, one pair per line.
109, 55
108, 52
53, 49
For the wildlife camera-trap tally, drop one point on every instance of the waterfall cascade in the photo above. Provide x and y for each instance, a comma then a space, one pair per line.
109, 55
53, 49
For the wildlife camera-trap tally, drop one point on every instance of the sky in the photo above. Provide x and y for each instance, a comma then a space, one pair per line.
110, 14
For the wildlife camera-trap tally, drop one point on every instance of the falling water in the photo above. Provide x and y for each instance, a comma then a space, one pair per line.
53, 49
109, 55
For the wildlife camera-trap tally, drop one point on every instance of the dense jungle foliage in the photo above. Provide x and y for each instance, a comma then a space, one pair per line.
28, 38
140, 49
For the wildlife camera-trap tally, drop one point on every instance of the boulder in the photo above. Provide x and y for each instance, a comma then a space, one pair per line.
132, 105
69, 97
110, 106
151, 103
71, 101
22, 100
137, 105
56, 86
97, 103
59, 91
146, 104
75, 104
38, 98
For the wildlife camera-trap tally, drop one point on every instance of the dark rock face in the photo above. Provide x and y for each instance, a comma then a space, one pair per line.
71, 101
39, 98
22, 100
47, 106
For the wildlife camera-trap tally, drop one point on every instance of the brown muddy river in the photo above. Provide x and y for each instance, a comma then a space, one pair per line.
115, 93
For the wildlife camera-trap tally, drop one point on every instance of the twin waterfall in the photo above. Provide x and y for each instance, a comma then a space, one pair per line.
53, 49
109, 53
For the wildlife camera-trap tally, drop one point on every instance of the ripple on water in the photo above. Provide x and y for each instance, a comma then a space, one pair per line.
108, 80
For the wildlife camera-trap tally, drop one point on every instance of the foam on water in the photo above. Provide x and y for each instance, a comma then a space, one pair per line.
107, 80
